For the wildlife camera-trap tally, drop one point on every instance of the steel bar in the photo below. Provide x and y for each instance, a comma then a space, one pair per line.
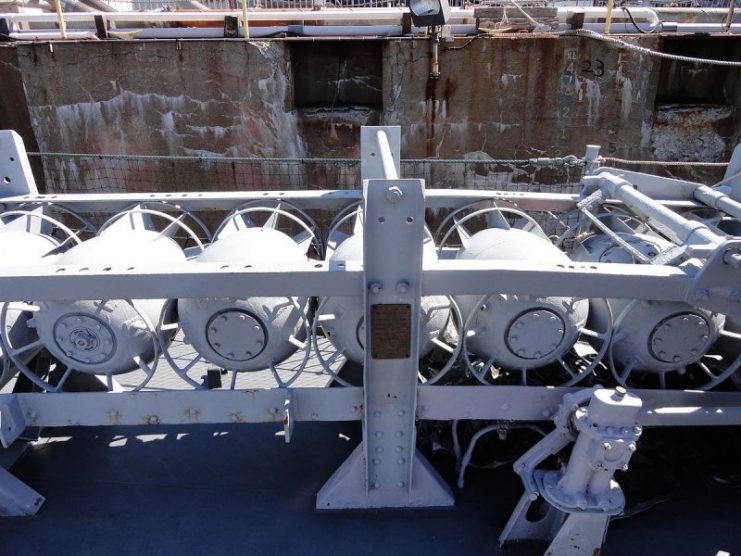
393, 234
718, 200
443, 277
329, 199
661, 217
188, 406
662, 408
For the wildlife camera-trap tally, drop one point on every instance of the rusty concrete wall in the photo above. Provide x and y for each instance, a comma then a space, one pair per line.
503, 97
521, 97
14, 113
161, 98
697, 105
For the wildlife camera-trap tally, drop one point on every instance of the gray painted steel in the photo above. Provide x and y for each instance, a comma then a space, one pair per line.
384, 470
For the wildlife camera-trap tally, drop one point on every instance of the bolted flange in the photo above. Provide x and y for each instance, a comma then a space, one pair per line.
683, 338
535, 334
85, 338
236, 335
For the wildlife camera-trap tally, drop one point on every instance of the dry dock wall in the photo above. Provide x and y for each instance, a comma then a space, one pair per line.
513, 96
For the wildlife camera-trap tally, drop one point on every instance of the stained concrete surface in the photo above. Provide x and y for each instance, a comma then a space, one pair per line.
213, 490
509, 96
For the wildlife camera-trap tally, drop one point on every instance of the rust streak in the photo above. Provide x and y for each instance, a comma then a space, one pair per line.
431, 98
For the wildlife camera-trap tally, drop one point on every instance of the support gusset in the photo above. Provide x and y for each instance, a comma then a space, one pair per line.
17, 177
16, 498
12, 420
348, 488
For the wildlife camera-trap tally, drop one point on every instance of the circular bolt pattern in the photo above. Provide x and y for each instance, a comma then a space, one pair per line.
85, 338
236, 335
535, 334
681, 339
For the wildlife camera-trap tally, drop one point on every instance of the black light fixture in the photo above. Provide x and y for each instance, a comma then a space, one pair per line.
427, 13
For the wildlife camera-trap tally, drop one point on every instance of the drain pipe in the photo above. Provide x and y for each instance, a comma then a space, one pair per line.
60, 19
435, 48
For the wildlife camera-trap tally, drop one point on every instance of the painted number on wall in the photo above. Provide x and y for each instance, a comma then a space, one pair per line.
566, 101
596, 67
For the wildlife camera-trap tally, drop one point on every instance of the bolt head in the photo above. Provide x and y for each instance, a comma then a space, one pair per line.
394, 194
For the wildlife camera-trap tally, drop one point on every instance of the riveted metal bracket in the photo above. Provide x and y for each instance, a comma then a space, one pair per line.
12, 420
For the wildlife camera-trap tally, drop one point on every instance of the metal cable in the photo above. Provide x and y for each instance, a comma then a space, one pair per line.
643, 50
553, 161
662, 162
642, 31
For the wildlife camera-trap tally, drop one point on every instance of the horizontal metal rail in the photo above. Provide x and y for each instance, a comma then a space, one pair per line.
327, 14
662, 408
327, 199
443, 277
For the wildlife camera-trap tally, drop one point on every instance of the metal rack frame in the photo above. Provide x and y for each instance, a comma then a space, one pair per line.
385, 470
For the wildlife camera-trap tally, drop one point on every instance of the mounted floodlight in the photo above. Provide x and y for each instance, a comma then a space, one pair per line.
426, 13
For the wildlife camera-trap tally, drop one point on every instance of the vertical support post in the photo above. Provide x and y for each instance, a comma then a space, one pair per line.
386, 471
729, 16
245, 23
60, 19
101, 27
591, 157
380, 149
608, 17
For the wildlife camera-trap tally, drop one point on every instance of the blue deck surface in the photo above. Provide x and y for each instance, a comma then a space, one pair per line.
213, 490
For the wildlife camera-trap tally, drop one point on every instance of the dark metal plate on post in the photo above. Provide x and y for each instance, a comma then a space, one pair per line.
391, 331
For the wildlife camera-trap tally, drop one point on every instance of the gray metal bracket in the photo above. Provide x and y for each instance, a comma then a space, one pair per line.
386, 471
657, 187
12, 420
578, 500
380, 149
16, 177
717, 286
16, 498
